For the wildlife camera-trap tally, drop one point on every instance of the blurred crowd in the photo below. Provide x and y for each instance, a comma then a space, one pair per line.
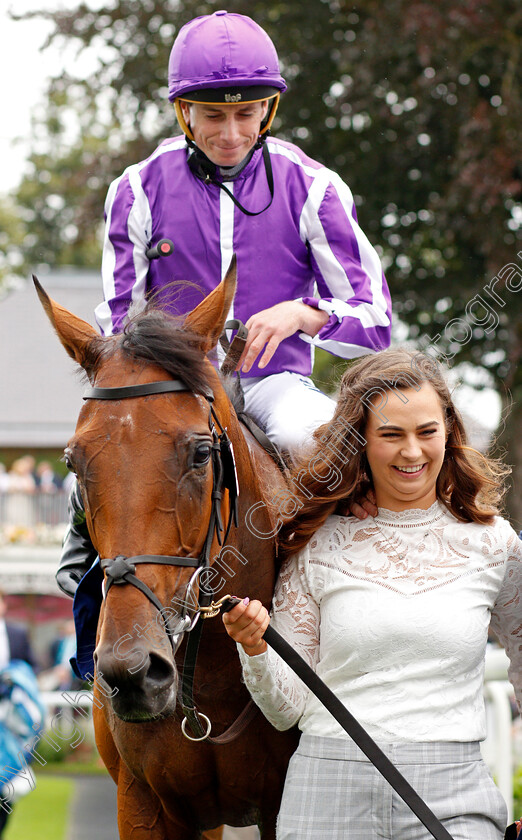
26, 475
32, 493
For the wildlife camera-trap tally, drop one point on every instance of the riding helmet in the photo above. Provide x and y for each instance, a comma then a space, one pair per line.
224, 58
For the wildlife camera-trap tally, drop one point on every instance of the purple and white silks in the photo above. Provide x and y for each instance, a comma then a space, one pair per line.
307, 245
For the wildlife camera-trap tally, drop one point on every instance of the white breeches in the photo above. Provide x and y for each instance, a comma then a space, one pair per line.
288, 407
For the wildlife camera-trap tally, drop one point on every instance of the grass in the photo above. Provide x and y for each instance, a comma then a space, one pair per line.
82, 761
90, 767
42, 814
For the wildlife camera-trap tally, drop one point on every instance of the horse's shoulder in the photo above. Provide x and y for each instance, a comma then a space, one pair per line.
269, 473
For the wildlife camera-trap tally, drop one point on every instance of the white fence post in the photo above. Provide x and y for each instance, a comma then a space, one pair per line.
497, 749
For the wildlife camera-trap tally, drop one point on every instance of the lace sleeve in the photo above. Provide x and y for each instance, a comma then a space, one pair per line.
506, 617
275, 688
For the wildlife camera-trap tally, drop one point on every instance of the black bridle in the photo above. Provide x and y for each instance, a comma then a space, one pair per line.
120, 570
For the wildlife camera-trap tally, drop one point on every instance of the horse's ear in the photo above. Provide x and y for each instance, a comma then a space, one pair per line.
209, 317
76, 335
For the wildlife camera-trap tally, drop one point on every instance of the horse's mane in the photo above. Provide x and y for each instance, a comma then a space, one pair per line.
234, 392
159, 338
162, 339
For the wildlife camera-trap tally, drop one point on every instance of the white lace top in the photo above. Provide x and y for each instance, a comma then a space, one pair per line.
393, 614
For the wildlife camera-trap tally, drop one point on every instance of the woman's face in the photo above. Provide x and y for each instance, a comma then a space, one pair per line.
406, 440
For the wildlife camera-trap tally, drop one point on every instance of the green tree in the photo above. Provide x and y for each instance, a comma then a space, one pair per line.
416, 104
12, 236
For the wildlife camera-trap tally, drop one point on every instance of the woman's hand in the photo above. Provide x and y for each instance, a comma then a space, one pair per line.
367, 507
246, 623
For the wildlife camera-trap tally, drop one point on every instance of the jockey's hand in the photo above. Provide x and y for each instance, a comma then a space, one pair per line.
268, 328
246, 623
366, 508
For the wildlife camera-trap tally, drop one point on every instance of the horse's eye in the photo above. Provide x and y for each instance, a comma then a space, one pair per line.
202, 454
67, 461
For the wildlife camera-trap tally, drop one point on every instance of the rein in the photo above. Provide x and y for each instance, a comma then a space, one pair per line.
121, 570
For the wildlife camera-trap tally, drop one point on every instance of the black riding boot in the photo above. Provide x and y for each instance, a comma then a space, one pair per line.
78, 552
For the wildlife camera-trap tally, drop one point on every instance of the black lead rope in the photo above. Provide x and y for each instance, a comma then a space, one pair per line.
354, 729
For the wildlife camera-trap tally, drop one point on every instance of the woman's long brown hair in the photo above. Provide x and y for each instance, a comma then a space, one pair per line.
470, 485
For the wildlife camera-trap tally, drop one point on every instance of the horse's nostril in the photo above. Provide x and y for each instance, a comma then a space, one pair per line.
160, 671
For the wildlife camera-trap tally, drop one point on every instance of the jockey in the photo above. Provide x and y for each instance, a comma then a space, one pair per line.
307, 276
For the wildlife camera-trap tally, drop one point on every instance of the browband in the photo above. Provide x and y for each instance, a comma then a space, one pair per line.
146, 389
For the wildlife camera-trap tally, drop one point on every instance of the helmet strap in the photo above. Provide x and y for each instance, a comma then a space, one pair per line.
204, 169
274, 102
181, 120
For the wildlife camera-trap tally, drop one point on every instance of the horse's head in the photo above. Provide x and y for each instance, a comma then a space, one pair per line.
149, 462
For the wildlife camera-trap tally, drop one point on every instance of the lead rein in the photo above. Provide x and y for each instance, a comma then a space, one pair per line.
350, 724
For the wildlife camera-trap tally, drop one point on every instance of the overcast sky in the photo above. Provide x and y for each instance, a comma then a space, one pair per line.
23, 74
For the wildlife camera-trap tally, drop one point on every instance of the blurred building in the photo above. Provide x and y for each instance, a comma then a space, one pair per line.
41, 398
41, 392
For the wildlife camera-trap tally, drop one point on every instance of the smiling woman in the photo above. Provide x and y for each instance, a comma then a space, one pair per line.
393, 612
415, 449
405, 454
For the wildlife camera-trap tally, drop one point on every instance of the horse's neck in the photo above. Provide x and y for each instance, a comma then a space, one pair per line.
261, 483
248, 560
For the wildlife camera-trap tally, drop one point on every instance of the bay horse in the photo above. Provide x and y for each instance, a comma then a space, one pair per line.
146, 456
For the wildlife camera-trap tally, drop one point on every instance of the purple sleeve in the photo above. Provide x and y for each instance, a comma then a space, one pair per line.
350, 280
124, 263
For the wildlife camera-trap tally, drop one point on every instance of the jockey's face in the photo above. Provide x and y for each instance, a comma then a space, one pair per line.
225, 133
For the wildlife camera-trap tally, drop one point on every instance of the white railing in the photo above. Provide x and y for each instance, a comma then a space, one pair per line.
68, 720
497, 749
27, 510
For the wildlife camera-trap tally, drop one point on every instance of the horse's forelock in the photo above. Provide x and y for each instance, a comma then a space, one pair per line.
157, 337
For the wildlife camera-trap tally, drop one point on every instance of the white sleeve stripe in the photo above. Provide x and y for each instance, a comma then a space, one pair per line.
139, 230
370, 314
337, 348
103, 311
276, 149
310, 229
340, 309
103, 316
165, 148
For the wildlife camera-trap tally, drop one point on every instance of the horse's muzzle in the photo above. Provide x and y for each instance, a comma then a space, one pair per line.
141, 687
